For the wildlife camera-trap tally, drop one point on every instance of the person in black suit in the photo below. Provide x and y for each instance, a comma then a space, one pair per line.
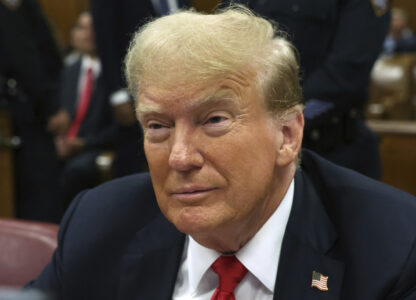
115, 22
79, 147
30, 63
228, 195
338, 42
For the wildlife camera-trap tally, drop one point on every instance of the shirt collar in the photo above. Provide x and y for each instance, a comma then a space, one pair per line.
260, 255
91, 62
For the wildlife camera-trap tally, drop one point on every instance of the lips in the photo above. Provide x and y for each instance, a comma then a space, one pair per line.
192, 193
192, 190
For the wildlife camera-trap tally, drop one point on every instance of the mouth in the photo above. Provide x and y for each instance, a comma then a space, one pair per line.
192, 193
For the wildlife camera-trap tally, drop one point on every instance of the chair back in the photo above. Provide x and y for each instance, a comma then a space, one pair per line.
25, 249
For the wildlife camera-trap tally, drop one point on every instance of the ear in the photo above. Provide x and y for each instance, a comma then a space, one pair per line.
292, 133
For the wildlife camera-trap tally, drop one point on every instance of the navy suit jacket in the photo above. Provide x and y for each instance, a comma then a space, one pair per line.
115, 244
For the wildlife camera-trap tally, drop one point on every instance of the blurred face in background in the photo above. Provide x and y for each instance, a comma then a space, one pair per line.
82, 35
398, 23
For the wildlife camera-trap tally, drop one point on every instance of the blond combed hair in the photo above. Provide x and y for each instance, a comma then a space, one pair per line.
188, 49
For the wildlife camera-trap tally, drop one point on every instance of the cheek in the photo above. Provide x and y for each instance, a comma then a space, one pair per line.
248, 165
157, 156
245, 158
157, 159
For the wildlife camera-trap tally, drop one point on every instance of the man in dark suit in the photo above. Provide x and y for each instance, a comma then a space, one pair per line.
84, 125
228, 211
338, 42
30, 63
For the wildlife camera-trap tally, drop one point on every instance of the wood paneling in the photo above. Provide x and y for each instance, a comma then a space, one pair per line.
205, 5
62, 15
398, 153
6, 169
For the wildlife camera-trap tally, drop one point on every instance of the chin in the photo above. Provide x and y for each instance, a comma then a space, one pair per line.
192, 221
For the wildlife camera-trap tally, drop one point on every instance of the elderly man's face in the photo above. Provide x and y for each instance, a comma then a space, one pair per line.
212, 156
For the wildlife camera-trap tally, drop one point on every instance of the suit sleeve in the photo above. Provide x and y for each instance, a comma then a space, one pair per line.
357, 41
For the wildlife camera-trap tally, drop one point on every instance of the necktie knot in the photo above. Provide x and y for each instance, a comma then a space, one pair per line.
230, 272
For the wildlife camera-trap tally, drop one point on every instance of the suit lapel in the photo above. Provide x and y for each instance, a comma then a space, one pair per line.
70, 95
306, 247
151, 261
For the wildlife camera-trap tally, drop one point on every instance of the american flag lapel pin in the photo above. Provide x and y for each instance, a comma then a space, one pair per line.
319, 281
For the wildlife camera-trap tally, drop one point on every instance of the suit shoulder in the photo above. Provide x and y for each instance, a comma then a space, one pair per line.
121, 194
340, 180
124, 204
348, 193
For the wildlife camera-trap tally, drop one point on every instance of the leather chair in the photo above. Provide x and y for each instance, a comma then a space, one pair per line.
25, 249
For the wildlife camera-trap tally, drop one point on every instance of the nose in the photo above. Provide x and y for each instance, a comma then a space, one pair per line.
184, 154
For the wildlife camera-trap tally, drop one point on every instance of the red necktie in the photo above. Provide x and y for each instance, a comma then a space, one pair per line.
230, 272
83, 103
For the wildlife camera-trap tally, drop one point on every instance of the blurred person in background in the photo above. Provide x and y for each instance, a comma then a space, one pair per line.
115, 21
83, 126
338, 42
400, 38
29, 67
72, 53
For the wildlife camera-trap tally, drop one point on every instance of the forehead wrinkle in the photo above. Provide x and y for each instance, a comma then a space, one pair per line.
147, 108
220, 96
223, 95
152, 105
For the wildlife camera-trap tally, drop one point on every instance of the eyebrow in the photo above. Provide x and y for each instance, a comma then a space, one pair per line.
221, 96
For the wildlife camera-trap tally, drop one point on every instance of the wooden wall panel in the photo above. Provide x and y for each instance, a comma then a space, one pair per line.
399, 161
62, 15
6, 169
397, 151
205, 5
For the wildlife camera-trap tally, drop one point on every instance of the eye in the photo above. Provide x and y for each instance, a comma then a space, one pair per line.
155, 126
217, 123
155, 131
216, 119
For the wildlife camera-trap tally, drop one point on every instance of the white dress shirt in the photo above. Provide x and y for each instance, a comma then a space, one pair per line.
197, 281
